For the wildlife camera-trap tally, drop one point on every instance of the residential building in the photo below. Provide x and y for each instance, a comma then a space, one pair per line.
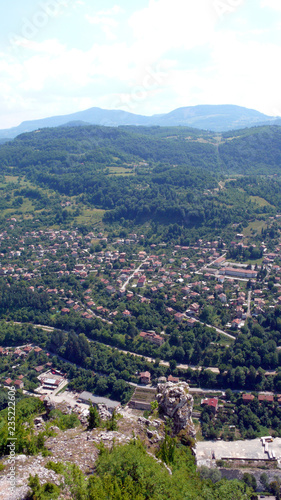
145, 378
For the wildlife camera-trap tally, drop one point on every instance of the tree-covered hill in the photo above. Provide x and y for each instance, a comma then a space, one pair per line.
255, 151
168, 174
104, 143
165, 174
249, 151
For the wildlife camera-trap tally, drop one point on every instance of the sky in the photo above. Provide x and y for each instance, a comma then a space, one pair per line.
146, 57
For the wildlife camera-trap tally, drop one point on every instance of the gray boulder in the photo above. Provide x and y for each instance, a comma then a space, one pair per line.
176, 403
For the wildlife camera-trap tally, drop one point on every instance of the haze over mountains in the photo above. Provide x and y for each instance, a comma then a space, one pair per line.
217, 118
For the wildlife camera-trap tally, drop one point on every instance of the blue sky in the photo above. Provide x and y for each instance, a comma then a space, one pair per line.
146, 56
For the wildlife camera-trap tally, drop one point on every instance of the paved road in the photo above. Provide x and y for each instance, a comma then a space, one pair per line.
152, 360
163, 363
132, 275
147, 358
211, 263
99, 317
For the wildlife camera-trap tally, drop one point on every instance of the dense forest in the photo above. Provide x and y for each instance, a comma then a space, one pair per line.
140, 174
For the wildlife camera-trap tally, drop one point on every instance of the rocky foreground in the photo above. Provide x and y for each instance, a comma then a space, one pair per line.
80, 446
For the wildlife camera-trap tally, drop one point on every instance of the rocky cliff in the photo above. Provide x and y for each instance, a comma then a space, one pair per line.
176, 403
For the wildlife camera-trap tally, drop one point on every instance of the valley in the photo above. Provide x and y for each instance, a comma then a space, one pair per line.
130, 255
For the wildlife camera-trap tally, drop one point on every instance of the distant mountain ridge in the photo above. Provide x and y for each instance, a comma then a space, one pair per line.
216, 118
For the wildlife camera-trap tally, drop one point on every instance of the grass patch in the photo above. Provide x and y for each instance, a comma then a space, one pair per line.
254, 262
27, 206
14, 179
261, 202
224, 340
121, 171
90, 216
63, 422
254, 227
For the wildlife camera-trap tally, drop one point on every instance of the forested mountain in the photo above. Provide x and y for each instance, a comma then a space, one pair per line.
149, 173
214, 117
208, 117
256, 150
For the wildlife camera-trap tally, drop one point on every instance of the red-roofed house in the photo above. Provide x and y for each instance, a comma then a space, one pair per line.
247, 398
236, 323
194, 307
141, 281
28, 349
126, 313
18, 384
211, 403
266, 397
152, 337
170, 310
191, 322
222, 298
8, 382
179, 317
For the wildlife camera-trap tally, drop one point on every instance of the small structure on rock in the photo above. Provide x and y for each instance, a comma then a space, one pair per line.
176, 403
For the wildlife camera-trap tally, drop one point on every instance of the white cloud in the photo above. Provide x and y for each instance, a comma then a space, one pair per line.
49, 47
52, 67
101, 20
237, 73
105, 20
116, 9
272, 4
106, 24
151, 69
166, 25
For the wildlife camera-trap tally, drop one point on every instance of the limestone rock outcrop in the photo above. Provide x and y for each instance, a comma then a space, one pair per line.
176, 403
49, 405
104, 413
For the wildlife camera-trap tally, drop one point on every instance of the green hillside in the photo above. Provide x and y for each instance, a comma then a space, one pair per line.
142, 174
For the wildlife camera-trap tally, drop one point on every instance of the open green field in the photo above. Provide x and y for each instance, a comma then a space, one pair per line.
260, 201
121, 171
255, 226
24, 209
8, 179
224, 340
13, 179
90, 216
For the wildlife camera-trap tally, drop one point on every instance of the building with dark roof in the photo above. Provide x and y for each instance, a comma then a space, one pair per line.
88, 398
